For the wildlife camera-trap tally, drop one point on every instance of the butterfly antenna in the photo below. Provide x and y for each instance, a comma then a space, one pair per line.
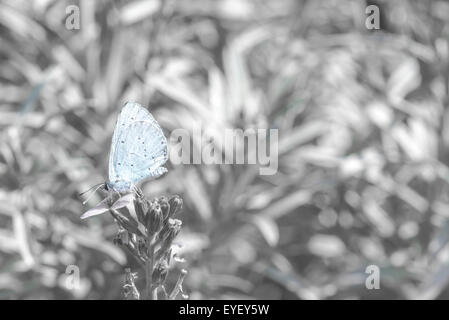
97, 186
94, 186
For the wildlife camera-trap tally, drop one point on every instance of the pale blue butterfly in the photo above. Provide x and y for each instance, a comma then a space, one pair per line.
138, 149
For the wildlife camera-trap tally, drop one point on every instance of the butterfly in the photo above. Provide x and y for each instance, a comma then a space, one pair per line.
138, 149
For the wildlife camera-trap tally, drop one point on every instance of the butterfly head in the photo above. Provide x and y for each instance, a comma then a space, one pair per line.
107, 186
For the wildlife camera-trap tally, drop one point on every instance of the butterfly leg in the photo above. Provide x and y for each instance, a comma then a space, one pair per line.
137, 191
112, 193
118, 193
110, 198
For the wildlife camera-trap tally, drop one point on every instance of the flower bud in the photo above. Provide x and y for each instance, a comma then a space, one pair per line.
146, 220
141, 208
155, 220
129, 288
126, 223
165, 207
141, 246
175, 227
172, 230
160, 273
175, 205
122, 238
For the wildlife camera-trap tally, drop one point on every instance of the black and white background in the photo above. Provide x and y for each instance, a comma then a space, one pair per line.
357, 91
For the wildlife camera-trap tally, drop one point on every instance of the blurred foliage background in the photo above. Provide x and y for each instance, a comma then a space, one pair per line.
363, 143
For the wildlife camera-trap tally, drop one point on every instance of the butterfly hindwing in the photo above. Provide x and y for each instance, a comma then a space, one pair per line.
138, 149
141, 148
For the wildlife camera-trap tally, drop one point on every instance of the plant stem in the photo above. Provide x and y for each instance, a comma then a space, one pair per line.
154, 293
178, 286
149, 268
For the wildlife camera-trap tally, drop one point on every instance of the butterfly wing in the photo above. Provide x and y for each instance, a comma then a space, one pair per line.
138, 149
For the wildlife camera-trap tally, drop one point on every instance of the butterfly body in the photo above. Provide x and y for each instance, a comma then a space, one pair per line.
138, 149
